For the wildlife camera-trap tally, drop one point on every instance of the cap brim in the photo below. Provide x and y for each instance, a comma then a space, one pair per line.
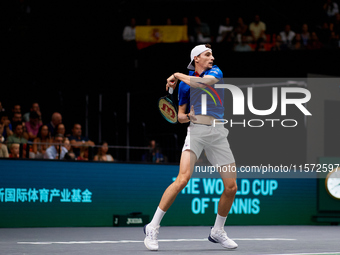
191, 67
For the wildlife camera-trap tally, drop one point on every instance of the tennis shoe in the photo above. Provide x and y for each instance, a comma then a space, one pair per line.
150, 240
220, 236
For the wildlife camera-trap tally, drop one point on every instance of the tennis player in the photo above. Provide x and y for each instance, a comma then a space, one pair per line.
202, 134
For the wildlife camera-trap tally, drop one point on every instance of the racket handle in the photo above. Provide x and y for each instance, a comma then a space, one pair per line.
171, 90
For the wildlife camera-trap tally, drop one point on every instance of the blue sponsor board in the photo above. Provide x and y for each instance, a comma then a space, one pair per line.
59, 193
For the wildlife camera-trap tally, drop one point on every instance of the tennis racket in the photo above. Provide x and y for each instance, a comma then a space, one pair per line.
167, 107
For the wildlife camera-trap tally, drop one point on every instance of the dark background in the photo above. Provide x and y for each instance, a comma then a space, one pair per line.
61, 52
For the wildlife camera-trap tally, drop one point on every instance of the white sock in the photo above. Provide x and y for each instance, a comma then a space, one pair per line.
219, 222
156, 220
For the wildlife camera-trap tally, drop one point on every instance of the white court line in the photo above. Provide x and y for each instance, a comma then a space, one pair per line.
314, 253
161, 240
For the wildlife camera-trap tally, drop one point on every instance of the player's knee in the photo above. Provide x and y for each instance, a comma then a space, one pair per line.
231, 189
181, 183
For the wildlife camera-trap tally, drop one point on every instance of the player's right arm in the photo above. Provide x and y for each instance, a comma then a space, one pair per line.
195, 82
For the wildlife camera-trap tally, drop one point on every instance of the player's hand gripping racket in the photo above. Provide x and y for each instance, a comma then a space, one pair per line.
167, 107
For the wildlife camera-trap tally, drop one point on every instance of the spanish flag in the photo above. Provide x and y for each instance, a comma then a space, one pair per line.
148, 35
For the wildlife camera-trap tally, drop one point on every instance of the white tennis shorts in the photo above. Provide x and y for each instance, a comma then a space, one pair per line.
214, 142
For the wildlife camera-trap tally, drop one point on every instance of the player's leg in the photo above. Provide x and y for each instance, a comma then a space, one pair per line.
218, 153
186, 167
187, 163
217, 234
230, 189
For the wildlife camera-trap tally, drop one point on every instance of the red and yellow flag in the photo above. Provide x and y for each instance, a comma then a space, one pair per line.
147, 35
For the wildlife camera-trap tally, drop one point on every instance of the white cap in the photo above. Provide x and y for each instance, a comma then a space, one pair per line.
195, 52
